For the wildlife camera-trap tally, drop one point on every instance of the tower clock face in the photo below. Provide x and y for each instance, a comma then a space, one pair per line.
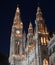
17, 31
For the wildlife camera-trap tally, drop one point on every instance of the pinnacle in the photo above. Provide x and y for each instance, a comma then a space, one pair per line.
30, 25
38, 8
17, 10
39, 12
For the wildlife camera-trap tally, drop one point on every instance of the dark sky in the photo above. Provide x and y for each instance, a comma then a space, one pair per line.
28, 13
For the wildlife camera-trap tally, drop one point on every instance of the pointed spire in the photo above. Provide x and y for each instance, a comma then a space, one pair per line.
17, 19
18, 10
39, 10
39, 14
30, 26
17, 14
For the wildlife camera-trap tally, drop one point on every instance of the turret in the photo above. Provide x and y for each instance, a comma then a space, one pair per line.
30, 40
30, 29
41, 37
40, 24
39, 14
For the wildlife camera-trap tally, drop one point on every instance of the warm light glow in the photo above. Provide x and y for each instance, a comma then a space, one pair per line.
29, 46
18, 42
39, 32
14, 55
42, 40
18, 9
17, 31
30, 25
21, 26
45, 62
47, 39
43, 32
30, 50
18, 35
21, 23
18, 25
39, 18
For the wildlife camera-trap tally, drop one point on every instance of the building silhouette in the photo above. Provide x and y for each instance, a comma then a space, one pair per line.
33, 50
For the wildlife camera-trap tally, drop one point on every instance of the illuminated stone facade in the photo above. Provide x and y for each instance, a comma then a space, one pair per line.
32, 51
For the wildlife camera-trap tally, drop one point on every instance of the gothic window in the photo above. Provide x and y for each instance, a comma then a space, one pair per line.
46, 39
42, 40
17, 47
45, 62
41, 27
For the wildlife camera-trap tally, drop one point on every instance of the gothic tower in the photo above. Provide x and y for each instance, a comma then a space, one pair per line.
30, 34
30, 40
31, 45
17, 43
41, 36
33, 50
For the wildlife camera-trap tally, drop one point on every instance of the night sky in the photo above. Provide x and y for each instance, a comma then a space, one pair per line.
28, 13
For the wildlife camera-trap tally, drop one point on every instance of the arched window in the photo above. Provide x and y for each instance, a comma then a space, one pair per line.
46, 39
42, 40
17, 47
45, 62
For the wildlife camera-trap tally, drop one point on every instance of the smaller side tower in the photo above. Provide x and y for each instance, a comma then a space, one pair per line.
31, 45
30, 37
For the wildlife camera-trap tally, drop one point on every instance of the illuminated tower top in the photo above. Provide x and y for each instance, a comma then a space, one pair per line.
41, 27
39, 14
30, 26
17, 19
30, 29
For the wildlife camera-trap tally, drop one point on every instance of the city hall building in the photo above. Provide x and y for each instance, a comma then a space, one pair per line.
33, 48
